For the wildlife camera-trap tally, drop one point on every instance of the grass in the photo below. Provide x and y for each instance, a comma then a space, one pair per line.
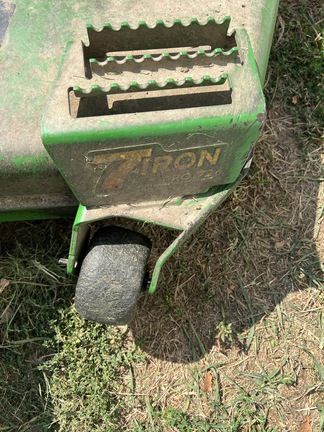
28, 303
242, 300
90, 397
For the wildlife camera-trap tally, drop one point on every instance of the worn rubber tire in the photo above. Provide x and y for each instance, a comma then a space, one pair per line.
111, 276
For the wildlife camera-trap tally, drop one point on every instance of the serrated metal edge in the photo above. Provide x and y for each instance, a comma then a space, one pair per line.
108, 26
166, 55
134, 86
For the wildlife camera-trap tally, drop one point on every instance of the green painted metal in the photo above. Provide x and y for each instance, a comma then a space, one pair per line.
30, 55
151, 85
269, 14
206, 210
79, 235
189, 125
217, 51
208, 203
22, 215
29, 215
31, 164
233, 126
36, 186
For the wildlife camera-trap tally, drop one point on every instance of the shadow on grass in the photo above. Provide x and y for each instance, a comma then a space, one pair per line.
259, 246
242, 262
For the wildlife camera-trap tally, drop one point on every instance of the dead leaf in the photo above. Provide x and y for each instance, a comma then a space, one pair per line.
305, 425
280, 245
208, 382
6, 315
230, 290
294, 100
3, 284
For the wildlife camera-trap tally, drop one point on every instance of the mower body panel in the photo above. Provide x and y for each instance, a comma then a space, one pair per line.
34, 36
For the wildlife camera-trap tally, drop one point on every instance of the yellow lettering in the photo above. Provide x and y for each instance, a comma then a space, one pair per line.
185, 161
176, 178
205, 155
162, 164
145, 166
121, 163
185, 176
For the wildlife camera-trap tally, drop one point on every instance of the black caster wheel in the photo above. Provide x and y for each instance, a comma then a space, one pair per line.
112, 275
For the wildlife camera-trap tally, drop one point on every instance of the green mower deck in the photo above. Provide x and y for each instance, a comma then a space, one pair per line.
139, 110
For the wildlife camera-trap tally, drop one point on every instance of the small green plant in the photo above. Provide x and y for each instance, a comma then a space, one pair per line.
172, 307
225, 332
86, 371
268, 383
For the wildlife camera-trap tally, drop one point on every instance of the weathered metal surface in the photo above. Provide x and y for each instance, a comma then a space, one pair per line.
156, 153
186, 215
30, 55
6, 11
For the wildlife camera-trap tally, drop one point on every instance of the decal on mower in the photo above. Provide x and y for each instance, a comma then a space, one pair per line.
174, 166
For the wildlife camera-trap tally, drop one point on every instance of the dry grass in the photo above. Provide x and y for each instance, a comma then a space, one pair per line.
254, 266
242, 299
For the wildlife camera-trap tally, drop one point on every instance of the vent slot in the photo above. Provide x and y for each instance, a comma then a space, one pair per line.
101, 104
143, 42
161, 37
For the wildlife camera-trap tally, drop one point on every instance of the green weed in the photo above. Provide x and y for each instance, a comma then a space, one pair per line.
91, 359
